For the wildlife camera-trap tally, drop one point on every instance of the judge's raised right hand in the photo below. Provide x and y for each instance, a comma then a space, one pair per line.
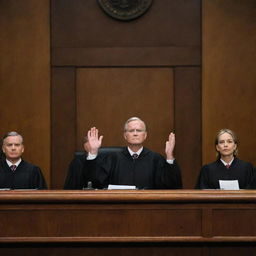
94, 140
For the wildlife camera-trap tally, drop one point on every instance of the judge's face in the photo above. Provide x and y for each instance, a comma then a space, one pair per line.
135, 133
13, 147
226, 145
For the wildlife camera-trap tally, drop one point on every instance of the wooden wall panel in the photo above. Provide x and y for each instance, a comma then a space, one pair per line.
25, 76
127, 56
168, 34
63, 123
229, 77
81, 24
107, 97
188, 122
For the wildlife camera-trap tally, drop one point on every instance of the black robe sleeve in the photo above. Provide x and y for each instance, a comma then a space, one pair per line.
203, 181
77, 176
99, 170
168, 176
39, 180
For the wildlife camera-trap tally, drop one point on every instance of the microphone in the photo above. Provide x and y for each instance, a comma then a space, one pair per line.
89, 186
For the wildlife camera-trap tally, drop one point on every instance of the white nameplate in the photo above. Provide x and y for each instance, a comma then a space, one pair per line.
121, 187
229, 184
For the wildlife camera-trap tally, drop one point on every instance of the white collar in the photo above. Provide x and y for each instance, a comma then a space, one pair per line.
138, 152
227, 163
10, 163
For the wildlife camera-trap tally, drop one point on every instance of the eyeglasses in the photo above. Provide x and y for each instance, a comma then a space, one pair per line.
135, 130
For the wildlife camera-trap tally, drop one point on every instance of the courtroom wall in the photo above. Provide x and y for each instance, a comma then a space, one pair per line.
159, 55
229, 77
25, 76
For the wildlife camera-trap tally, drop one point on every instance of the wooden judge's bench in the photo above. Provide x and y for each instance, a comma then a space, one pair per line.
122, 222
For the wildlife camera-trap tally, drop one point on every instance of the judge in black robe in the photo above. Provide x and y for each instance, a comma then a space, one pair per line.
148, 170
26, 176
16, 173
227, 166
210, 174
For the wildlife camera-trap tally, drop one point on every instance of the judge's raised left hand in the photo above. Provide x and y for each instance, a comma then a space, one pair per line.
169, 146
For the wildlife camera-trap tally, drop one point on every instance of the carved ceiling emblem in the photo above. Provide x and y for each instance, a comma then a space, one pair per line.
125, 9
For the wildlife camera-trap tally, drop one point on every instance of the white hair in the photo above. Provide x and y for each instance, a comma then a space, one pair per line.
133, 119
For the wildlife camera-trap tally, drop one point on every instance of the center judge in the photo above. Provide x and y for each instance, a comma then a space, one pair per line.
135, 164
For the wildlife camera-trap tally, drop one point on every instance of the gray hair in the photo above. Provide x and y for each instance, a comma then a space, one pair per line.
133, 119
13, 133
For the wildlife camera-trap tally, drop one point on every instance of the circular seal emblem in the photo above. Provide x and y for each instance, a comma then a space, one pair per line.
125, 9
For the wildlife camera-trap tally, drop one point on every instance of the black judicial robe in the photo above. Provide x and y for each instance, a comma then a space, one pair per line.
26, 176
210, 174
149, 171
77, 176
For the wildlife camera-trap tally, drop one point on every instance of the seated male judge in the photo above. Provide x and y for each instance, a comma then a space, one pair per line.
135, 164
15, 173
77, 176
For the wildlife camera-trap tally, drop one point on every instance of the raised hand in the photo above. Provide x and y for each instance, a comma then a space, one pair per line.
169, 147
94, 140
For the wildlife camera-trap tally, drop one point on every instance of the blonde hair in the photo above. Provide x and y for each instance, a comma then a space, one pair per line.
234, 137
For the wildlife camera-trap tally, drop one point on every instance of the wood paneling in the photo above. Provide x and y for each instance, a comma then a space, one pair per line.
140, 222
107, 97
229, 53
25, 76
168, 34
188, 122
120, 221
83, 24
127, 56
234, 218
63, 123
